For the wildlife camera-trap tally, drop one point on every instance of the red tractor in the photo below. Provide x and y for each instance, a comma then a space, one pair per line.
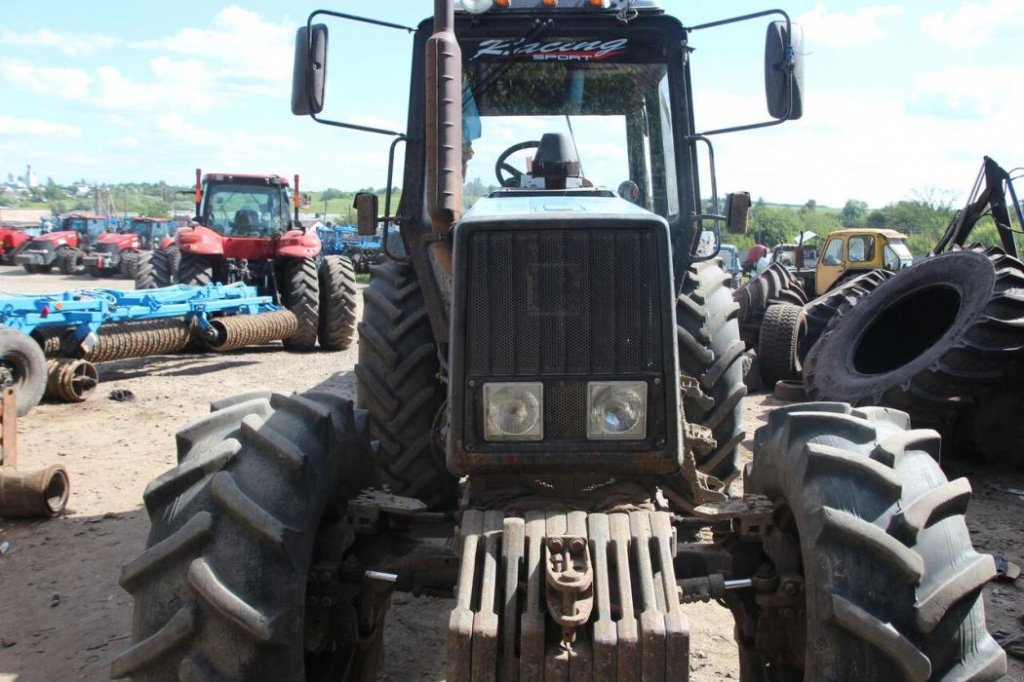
118, 253
10, 241
63, 247
243, 233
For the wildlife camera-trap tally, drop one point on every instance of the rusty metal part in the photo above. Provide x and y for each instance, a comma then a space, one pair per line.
635, 628
239, 331
26, 494
138, 340
70, 381
569, 580
50, 339
42, 493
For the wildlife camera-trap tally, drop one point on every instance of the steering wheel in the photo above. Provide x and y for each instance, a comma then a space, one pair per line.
514, 174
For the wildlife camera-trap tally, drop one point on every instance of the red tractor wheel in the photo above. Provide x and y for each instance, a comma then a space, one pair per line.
299, 285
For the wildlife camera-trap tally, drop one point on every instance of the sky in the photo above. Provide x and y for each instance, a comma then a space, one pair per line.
901, 100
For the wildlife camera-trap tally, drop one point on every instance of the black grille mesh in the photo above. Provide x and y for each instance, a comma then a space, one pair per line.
562, 302
105, 248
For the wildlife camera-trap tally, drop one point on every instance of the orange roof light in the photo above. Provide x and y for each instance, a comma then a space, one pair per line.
550, 3
604, 4
502, 3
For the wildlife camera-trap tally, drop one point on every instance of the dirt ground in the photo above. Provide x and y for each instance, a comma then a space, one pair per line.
63, 616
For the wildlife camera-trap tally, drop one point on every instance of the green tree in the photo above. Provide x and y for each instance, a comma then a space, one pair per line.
330, 193
853, 213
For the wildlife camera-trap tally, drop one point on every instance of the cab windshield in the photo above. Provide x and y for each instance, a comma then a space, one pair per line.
246, 210
609, 107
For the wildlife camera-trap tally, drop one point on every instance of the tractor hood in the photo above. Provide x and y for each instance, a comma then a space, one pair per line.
594, 203
122, 241
58, 238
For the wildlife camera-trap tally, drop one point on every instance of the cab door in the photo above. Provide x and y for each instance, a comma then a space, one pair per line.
830, 265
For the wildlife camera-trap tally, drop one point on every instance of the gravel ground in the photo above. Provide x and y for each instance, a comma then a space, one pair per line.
63, 616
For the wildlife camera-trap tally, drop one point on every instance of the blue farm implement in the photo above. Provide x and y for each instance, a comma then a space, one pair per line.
362, 250
51, 342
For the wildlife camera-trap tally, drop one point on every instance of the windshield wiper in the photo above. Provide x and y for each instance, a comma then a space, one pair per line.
507, 60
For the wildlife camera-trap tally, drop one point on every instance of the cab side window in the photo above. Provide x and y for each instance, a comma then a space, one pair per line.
862, 249
891, 260
833, 252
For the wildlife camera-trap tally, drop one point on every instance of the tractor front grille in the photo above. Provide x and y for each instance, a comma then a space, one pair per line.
552, 303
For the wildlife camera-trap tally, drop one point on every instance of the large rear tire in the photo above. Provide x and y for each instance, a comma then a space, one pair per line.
194, 270
928, 340
23, 366
885, 582
144, 271
259, 498
337, 303
396, 381
710, 351
300, 292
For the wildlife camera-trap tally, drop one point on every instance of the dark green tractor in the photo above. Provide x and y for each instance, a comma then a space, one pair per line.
549, 402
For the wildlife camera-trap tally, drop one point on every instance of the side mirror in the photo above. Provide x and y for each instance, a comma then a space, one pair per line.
366, 213
784, 71
309, 72
737, 208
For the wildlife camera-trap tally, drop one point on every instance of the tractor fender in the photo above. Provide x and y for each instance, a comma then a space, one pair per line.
298, 244
200, 241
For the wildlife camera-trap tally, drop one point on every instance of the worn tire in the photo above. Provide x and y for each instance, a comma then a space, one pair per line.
928, 340
782, 332
827, 307
144, 271
68, 261
775, 285
221, 590
129, 261
337, 303
25, 365
710, 351
396, 381
790, 391
300, 292
891, 583
165, 266
194, 270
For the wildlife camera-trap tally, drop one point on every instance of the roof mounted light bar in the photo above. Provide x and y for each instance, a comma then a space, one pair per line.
482, 6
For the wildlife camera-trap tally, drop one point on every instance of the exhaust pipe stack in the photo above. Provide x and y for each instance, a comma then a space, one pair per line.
444, 128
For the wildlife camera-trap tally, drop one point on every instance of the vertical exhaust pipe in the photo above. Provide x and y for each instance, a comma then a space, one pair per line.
199, 191
444, 127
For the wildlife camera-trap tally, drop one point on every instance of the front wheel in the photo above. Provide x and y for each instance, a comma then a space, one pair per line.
225, 588
876, 576
23, 366
337, 303
299, 285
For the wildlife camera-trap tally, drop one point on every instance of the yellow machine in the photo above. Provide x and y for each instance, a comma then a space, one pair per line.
848, 253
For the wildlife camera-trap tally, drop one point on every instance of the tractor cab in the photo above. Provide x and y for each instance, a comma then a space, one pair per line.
88, 226
152, 232
245, 205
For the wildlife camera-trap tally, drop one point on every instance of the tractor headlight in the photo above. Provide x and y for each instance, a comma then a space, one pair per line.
477, 6
617, 410
513, 411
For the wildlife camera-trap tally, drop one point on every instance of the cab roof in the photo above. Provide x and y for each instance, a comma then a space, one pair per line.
883, 231
246, 178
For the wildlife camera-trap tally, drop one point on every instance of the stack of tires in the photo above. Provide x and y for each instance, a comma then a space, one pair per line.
773, 286
943, 341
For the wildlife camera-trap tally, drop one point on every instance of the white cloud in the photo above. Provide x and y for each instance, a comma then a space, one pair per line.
46, 80
33, 127
973, 23
246, 49
70, 44
943, 92
841, 29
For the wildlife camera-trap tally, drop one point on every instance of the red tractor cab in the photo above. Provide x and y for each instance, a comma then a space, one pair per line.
118, 253
63, 247
244, 231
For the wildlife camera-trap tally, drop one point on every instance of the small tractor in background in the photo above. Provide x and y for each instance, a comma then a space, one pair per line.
845, 254
118, 253
243, 232
157, 264
64, 247
550, 402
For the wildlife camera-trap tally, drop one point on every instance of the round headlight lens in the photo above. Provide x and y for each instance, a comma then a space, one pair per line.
618, 410
477, 6
513, 411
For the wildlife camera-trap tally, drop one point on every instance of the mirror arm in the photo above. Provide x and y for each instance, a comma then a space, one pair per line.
788, 66
309, 90
387, 203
